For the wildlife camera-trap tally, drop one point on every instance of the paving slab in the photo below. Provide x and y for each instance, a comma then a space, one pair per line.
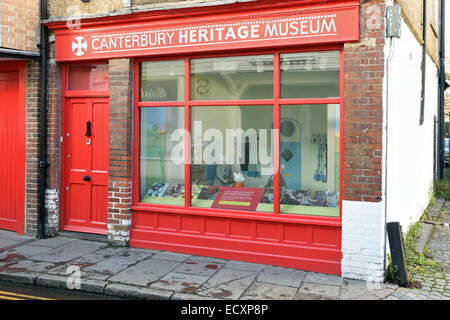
11, 235
321, 278
110, 251
352, 289
52, 242
111, 265
28, 250
227, 284
135, 255
67, 252
198, 268
265, 291
244, 266
182, 282
145, 272
320, 291
133, 292
171, 256
31, 266
282, 276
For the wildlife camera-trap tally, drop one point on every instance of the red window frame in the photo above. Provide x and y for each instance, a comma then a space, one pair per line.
276, 102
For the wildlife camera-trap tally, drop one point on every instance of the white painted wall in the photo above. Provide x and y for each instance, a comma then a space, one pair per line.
410, 145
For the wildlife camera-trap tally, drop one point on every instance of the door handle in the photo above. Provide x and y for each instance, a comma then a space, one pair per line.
87, 178
88, 128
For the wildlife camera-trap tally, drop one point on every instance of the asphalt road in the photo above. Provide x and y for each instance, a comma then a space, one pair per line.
17, 292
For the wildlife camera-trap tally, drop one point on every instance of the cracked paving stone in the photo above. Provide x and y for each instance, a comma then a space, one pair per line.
264, 291
145, 272
180, 282
67, 252
329, 292
171, 256
111, 265
282, 276
227, 284
198, 268
31, 266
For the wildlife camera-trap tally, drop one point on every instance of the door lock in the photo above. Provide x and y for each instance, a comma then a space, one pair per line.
88, 128
87, 178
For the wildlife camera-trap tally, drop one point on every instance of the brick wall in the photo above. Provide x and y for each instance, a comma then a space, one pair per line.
32, 148
120, 149
363, 107
363, 205
19, 24
54, 103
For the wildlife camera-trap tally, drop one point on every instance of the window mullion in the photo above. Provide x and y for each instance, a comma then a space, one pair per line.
187, 135
276, 136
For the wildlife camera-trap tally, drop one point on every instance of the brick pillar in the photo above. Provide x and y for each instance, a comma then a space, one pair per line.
54, 104
32, 148
363, 205
120, 149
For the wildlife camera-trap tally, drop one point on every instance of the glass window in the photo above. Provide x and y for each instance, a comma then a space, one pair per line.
310, 75
162, 80
232, 78
161, 155
88, 77
309, 159
232, 165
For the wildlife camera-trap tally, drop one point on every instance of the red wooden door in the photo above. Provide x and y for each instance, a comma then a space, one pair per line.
86, 165
12, 149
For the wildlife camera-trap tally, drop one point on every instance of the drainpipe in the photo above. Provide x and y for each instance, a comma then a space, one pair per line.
43, 164
424, 58
442, 87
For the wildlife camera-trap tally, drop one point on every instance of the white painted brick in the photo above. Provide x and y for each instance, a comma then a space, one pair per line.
362, 241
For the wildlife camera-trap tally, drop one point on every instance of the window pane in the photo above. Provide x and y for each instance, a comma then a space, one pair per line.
310, 75
161, 155
232, 78
88, 77
162, 81
232, 165
309, 159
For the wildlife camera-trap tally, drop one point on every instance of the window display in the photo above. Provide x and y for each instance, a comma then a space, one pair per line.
232, 147
309, 159
161, 160
235, 111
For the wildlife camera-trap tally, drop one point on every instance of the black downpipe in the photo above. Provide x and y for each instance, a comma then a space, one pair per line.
424, 59
43, 164
442, 87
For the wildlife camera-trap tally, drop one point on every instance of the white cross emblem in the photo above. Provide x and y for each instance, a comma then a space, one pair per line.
79, 46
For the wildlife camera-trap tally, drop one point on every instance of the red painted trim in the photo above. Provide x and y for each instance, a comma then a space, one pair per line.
232, 214
346, 12
187, 137
276, 135
19, 66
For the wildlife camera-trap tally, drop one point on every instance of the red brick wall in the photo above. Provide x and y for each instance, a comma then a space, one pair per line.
32, 148
363, 107
54, 105
19, 24
120, 149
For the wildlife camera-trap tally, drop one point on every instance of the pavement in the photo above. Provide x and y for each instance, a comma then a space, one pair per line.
67, 262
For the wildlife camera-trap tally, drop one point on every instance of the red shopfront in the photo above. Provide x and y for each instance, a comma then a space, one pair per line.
242, 105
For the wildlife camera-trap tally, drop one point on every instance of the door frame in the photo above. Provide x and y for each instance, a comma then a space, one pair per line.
20, 157
65, 96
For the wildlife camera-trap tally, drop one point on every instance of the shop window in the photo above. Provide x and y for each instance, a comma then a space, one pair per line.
161, 155
309, 159
310, 75
238, 107
233, 78
88, 77
232, 150
162, 81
